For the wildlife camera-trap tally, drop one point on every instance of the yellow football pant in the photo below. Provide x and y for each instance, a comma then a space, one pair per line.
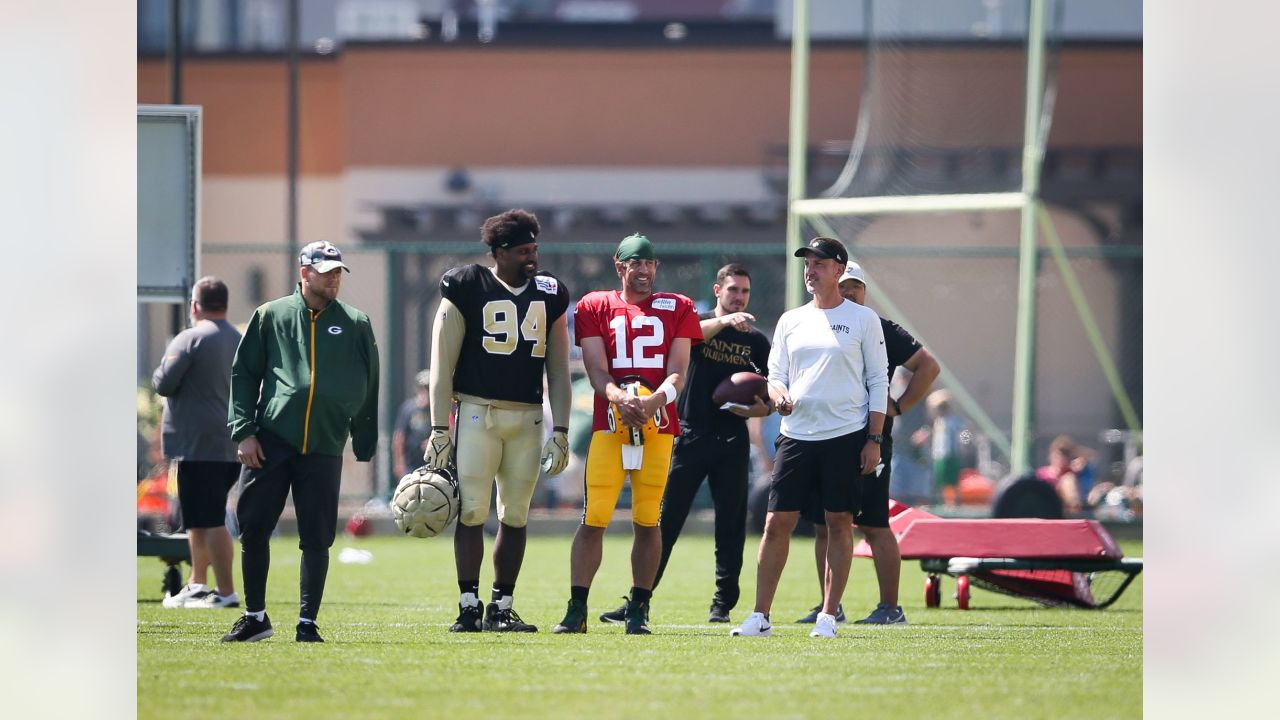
605, 477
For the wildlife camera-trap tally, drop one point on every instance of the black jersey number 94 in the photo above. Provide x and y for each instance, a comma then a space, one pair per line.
504, 330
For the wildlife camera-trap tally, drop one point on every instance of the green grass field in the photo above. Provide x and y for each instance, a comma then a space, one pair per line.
389, 653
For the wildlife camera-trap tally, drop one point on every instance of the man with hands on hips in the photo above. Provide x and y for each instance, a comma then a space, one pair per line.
828, 378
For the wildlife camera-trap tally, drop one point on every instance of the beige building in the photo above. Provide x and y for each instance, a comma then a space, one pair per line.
405, 147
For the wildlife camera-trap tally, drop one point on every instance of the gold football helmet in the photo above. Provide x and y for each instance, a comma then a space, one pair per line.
635, 436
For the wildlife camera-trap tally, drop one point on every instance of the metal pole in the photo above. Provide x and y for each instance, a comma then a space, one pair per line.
291, 243
1090, 323
797, 143
391, 384
1025, 342
177, 318
175, 52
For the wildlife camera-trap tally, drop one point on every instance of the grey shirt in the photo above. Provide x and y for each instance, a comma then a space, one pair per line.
195, 378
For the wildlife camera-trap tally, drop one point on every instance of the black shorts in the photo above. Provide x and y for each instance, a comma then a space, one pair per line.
823, 469
202, 491
873, 505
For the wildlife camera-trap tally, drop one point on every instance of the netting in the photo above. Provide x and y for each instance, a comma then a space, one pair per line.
1091, 584
942, 124
943, 117
1092, 589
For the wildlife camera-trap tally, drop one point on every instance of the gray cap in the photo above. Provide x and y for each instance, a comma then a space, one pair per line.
323, 256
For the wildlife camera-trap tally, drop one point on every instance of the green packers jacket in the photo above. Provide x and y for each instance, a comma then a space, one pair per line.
309, 377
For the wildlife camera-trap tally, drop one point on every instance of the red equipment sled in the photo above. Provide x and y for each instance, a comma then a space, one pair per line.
1051, 562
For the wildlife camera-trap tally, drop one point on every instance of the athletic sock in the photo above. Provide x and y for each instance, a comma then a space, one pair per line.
501, 590
579, 593
469, 587
257, 615
308, 621
639, 594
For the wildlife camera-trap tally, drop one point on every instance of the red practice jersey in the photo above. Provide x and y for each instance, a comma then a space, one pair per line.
637, 339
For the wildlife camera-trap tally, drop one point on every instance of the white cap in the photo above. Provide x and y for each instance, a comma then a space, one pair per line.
853, 271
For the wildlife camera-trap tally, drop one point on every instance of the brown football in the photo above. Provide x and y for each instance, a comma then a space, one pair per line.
742, 388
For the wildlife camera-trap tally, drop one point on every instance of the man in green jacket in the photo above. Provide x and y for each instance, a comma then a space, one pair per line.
305, 376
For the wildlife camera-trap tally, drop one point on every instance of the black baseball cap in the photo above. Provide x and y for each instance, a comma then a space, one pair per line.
825, 248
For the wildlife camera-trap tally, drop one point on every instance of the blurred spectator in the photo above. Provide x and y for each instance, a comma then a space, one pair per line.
569, 484
1119, 502
412, 428
1070, 471
909, 478
762, 469
942, 434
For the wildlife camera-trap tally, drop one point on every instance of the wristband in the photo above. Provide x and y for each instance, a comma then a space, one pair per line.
667, 389
560, 428
439, 427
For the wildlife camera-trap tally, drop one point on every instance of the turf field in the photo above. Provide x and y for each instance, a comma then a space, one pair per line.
389, 654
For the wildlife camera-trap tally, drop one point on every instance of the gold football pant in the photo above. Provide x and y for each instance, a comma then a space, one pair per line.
502, 444
605, 477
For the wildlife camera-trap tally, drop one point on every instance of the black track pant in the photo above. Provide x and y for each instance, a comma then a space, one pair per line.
315, 480
721, 459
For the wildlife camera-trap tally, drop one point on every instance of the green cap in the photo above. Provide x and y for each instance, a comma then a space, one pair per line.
635, 246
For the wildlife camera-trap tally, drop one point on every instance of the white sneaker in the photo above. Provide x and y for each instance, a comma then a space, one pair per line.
188, 592
756, 625
824, 626
213, 600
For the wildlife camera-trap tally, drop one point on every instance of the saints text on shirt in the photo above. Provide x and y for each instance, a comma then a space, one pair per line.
727, 352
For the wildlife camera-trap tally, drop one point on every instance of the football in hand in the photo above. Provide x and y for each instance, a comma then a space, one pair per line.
741, 388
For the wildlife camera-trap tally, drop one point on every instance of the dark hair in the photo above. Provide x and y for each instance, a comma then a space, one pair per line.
211, 293
732, 269
513, 227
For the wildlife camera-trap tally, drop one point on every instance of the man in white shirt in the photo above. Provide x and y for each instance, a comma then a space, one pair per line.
828, 378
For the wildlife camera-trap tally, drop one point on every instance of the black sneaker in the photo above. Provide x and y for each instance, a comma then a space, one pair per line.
637, 618
498, 620
307, 632
249, 629
618, 616
812, 617
469, 618
884, 614
575, 619
719, 613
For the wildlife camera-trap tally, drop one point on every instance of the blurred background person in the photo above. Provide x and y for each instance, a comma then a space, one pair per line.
194, 377
412, 429
1119, 502
1069, 471
942, 435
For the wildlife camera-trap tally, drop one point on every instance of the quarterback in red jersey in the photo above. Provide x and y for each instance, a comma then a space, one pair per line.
635, 346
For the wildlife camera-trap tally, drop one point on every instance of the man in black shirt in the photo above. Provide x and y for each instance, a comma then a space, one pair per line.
496, 331
715, 443
873, 519
412, 428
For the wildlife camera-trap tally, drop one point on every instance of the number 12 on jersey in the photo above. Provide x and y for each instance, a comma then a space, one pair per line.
630, 352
